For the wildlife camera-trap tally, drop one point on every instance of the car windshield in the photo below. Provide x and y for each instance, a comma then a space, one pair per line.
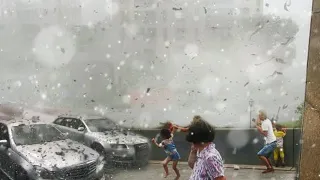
101, 125
35, 134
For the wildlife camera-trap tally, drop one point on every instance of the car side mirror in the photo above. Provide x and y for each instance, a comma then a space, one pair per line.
4, 143
81, 129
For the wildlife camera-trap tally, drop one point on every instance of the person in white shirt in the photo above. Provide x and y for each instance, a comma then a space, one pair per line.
264, 126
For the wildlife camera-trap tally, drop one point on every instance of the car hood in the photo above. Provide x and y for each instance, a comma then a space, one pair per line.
57, 154
119, 137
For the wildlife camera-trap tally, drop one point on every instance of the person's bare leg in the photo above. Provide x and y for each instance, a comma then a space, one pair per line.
269, 163
165, 166
282, 157
265, 161
176, 170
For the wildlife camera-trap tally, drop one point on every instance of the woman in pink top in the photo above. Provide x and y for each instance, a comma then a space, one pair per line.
204, 158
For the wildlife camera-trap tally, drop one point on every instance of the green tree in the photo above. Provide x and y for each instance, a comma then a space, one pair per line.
300, 111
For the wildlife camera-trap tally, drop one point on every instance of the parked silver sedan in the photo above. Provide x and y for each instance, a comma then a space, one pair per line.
106, 137
32, 150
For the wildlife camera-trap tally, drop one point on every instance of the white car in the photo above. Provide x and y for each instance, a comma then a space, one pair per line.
32, 150
105, 136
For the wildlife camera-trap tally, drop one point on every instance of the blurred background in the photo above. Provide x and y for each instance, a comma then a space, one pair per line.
148, 61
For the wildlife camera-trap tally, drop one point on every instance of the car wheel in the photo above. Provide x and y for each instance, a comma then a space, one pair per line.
99, 148
106, 157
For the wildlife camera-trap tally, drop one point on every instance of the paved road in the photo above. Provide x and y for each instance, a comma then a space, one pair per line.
154, 172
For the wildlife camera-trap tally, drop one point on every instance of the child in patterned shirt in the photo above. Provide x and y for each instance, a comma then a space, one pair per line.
172, 154
279, 132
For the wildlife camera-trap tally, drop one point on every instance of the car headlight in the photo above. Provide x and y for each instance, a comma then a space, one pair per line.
43, 173
119, 146
100, 164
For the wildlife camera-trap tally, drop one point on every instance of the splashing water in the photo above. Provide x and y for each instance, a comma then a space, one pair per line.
17, 84
126, 99
238, 138
145, 118
220, 106
53, 46
112, 8
94, 11
210, 85
191, 50
131, 30
31, 1
178, 14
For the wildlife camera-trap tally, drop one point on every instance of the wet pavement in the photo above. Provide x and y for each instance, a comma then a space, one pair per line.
155, 171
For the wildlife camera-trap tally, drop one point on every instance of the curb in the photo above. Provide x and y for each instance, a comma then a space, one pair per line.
229, 166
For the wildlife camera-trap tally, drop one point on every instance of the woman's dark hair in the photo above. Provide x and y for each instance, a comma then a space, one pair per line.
165, 133
166, 125
200, 132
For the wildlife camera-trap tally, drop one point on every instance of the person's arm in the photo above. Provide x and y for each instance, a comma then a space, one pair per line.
258, 121
173, 130
183, 129
214, 167
192, 157
158, 145
284, 130
263, 129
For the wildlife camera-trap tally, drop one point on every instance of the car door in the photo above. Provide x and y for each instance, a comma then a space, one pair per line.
73, 126
7, 164
61, 124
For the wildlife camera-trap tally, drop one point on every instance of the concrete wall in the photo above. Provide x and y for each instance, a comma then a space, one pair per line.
237, 146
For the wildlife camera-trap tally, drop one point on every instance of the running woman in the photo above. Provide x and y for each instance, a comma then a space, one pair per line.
172, 154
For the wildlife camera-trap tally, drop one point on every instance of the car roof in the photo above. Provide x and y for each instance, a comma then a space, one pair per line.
82, 116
